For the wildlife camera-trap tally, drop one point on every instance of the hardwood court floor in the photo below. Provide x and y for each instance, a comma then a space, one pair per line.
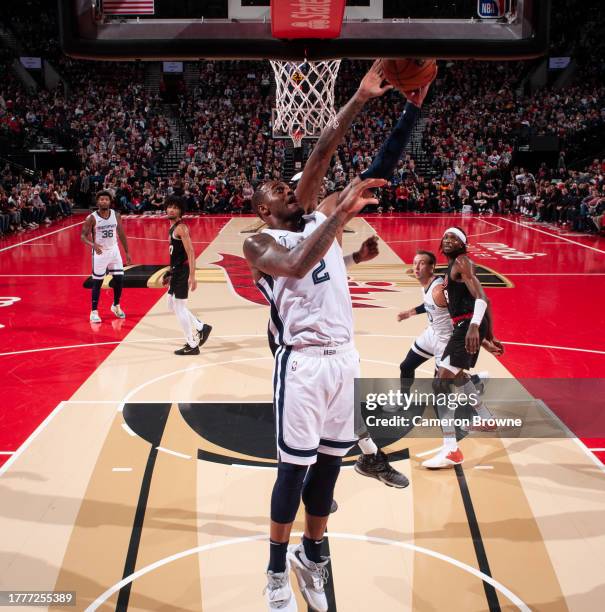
145, 483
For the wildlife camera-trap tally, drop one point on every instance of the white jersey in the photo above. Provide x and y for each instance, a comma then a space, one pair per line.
315, 310
106, 231
439, 317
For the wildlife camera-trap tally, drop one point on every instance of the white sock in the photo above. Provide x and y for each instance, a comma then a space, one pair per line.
195, 321
450, 443
184, 318
367, 446
446, 414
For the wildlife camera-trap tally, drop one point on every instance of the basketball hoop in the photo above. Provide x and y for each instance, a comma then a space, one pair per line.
304, 97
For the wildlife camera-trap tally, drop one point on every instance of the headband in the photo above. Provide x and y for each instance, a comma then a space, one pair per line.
456, 232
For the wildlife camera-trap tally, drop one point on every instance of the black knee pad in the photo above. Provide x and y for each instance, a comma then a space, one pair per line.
117, 281
285, 498
318, 489
407, 370
408, 366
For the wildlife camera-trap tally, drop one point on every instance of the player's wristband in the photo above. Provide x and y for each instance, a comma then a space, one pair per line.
350, 260
420, 309
479, 311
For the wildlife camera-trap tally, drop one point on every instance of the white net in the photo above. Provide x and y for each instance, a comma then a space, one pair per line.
304, 97
297, 138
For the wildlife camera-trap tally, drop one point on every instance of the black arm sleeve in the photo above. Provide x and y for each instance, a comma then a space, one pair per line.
420, 309
383, 165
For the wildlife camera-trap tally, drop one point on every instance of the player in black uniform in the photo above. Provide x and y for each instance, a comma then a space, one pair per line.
469, 309
181, 278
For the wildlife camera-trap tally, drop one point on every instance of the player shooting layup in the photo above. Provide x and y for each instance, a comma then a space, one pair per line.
298, 264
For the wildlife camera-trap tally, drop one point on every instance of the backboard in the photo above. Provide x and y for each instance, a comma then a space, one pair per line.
249, 29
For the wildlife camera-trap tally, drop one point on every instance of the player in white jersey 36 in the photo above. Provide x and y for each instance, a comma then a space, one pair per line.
101, 231
299, 265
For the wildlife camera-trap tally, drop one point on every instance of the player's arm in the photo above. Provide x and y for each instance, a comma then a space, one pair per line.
494, 347
308, 187
367, 251
266, 255
328, 205
87, 234
466, 269
385, 162
122, 237
406, 314
182, 232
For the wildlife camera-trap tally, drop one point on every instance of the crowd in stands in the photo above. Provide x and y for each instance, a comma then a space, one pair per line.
26, 202
121, 134
568, 198
34, 25
231, 149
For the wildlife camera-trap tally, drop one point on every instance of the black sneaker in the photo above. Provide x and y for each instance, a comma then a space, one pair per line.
188, 350
333, 507
203, 334
377, 466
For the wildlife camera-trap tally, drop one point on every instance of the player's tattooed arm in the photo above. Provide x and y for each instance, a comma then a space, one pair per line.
122, 237
182, 232
87, 234
331, 136
329, 204
266, 255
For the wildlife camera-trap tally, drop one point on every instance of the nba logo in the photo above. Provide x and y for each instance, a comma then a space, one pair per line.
491, 9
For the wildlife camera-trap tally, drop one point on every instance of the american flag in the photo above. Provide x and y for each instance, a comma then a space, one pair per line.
128, 7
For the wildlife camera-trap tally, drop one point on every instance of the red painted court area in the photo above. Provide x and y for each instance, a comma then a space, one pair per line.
546, 319
49, 347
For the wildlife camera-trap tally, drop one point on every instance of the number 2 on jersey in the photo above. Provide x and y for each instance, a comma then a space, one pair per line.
317, 275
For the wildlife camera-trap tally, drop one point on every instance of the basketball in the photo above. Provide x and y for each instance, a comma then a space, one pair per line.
409, 74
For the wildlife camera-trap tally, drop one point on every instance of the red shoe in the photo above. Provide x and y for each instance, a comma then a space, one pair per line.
444, 459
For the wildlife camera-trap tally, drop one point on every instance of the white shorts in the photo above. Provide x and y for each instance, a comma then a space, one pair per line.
314, 402
109, 262
429, 344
